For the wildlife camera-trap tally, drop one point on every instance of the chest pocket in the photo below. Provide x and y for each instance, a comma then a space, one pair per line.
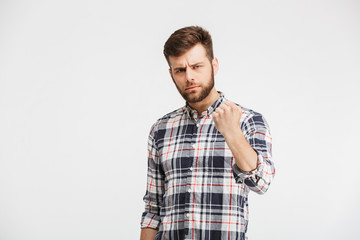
220, 158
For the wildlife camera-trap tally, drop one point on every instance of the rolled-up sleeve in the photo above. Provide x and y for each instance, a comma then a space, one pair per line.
257, 132
155, 186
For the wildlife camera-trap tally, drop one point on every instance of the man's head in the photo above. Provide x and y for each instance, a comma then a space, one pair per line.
189, 54
185, 38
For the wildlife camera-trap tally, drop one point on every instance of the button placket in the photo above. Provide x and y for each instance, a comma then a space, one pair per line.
190, 188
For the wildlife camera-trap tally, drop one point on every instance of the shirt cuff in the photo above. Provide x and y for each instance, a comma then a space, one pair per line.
150, 220
250, 178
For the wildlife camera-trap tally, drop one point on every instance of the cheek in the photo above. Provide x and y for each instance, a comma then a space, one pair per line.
176, 76
179, 82
205, 74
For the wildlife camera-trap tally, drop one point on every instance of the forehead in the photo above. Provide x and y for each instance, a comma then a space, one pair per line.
193, 55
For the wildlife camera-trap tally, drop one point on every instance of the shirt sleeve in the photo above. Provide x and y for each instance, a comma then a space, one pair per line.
257, 132
155, 186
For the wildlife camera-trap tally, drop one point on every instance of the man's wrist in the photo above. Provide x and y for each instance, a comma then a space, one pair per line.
236, 133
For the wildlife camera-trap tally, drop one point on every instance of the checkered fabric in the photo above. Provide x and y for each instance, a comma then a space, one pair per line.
194, 188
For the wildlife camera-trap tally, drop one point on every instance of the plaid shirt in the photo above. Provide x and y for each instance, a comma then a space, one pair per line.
194, 188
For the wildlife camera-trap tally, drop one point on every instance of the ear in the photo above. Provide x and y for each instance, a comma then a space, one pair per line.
215, 64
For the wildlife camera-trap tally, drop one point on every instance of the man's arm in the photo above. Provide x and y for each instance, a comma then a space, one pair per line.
252, 152
148, 234
150, 220
227, 122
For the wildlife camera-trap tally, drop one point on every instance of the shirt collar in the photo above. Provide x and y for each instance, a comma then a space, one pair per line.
193, 114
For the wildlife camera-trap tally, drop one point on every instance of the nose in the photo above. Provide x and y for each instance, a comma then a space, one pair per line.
189, 75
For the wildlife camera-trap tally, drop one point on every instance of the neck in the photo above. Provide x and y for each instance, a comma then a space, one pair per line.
206, 102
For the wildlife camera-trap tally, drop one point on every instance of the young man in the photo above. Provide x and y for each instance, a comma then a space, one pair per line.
205, 157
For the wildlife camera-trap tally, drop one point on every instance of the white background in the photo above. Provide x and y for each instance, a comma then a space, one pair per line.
81, 83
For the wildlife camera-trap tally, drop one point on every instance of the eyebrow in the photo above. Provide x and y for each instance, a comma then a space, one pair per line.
177, 68
192, 65
198, 63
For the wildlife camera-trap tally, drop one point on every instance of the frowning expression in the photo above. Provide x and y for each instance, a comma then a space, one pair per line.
193, 73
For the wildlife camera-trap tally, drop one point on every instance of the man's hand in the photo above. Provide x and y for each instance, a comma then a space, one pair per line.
227, 118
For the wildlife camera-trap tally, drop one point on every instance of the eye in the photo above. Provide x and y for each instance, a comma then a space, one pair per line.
180, 70
197, 66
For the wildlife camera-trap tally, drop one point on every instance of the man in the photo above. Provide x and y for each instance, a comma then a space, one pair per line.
205, 157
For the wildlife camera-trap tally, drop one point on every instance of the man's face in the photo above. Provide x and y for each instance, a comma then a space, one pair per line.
193, 73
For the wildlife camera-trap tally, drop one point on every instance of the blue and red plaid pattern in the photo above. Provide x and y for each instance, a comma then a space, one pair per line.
194, 188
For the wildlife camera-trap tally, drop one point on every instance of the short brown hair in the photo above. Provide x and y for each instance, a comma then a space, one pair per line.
185, 38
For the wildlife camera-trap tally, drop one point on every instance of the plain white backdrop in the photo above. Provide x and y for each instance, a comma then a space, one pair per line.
81, 83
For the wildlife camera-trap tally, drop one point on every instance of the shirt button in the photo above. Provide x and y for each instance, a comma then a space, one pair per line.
191, 169
197, 125
193, 145
189, 190
187, 215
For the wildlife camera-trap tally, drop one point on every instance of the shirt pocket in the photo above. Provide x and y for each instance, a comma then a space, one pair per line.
220, 158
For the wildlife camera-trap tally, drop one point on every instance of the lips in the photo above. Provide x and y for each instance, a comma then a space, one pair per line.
191, 88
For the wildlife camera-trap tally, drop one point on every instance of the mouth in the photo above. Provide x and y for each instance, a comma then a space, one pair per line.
191, 88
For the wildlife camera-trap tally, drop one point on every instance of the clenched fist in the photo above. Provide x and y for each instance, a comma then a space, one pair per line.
227, 118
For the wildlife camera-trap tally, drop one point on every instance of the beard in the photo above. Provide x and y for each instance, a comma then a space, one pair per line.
205, 91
